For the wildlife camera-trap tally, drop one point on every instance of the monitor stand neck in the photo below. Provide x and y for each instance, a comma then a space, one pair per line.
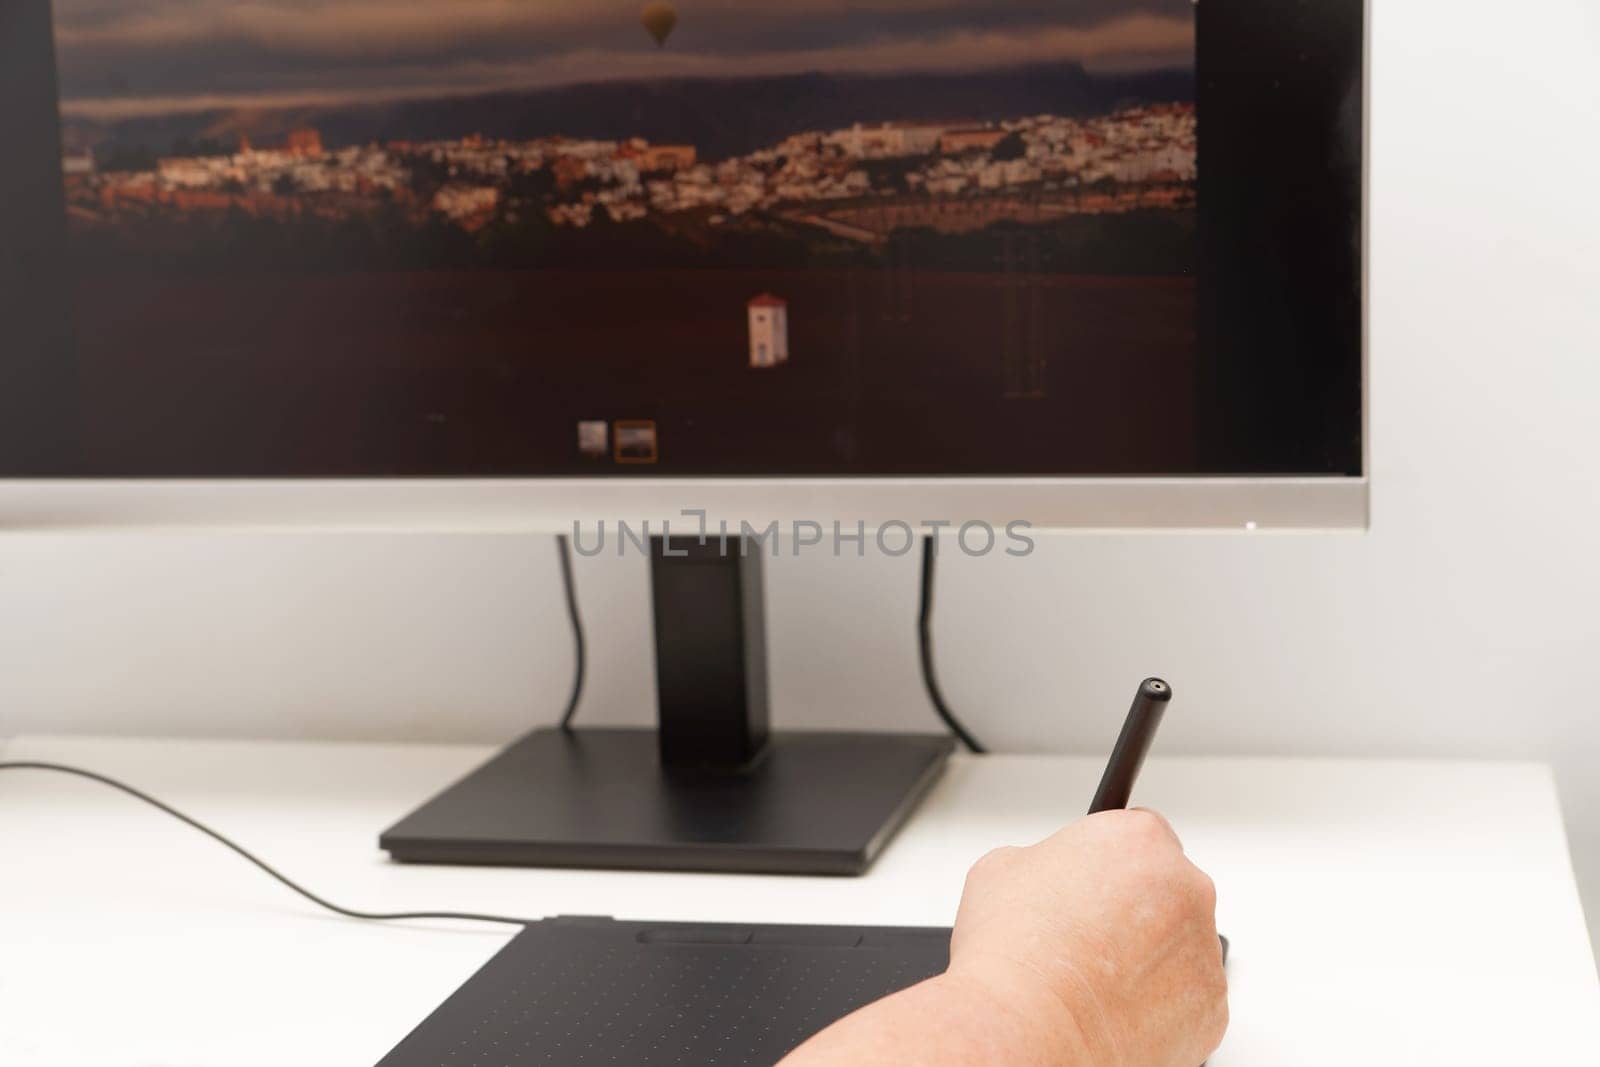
711, 654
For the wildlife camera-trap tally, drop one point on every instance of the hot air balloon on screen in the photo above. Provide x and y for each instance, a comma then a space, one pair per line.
659, 19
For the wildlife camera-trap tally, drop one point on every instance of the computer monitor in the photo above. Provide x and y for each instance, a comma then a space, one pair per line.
1076, 265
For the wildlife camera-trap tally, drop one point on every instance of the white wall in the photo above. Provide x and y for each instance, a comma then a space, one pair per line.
1463, 624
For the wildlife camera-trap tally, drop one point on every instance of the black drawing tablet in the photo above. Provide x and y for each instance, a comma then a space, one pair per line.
575, 991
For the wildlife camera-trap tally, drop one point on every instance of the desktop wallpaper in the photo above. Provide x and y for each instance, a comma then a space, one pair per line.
545, 237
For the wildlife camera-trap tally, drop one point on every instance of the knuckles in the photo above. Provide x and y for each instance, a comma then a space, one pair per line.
1180, 900
994, 864
1147, 824
997, 860
1205, 890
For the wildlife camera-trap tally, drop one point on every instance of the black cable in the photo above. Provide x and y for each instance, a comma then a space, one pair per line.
925, 647
352, 913
564, 552
924, 635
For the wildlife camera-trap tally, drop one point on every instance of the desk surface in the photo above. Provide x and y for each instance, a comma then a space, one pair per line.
1380, 912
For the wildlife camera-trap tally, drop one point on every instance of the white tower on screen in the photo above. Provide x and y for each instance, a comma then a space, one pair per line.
769, 331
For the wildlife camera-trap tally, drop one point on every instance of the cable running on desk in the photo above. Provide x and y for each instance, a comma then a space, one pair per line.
353, 913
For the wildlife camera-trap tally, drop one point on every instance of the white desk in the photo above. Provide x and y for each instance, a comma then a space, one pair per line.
1381, 913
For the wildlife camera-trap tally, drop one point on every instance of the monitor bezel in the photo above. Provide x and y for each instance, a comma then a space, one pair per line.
677, 504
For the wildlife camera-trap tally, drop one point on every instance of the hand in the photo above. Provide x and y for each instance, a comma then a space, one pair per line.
1107, 933
1094, 948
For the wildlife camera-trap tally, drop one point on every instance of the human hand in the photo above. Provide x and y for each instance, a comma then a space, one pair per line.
1104, 932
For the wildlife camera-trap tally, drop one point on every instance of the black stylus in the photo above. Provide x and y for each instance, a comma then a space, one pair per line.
1138, 731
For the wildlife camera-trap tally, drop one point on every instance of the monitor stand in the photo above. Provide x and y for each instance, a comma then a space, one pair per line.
711, 788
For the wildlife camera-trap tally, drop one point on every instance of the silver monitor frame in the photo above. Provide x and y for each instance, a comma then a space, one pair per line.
555, 505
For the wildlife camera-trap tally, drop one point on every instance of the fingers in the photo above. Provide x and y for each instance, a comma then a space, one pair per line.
1141, 824
992, 866
1153, 822
1132, 840
1207, 889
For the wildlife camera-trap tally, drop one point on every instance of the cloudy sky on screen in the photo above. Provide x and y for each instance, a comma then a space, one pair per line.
126, 57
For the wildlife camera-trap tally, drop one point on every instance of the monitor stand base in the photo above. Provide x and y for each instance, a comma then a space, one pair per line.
814, 803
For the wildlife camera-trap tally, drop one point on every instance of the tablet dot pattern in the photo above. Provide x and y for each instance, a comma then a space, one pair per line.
675, 1004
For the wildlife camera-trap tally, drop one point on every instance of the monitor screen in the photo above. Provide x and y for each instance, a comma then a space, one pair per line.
705, 237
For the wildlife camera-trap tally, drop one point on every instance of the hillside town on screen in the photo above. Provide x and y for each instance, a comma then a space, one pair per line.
725, 257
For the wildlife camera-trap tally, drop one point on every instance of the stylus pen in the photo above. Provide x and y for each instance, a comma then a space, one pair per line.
1138, 731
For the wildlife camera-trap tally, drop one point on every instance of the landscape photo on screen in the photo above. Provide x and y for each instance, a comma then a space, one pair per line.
592, 237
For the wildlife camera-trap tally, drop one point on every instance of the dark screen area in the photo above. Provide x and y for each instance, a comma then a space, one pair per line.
1014, 238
